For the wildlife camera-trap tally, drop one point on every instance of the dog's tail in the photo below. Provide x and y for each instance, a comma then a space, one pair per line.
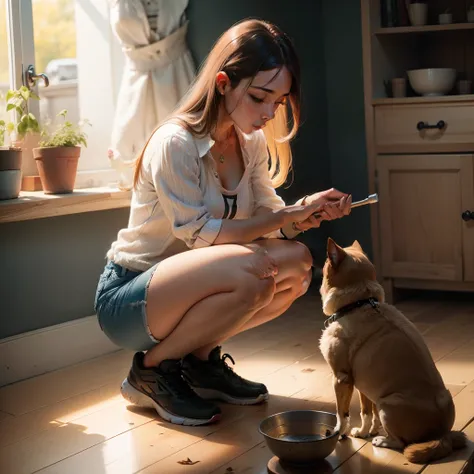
422, 453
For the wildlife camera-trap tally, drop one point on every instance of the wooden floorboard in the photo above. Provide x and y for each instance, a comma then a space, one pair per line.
77, 422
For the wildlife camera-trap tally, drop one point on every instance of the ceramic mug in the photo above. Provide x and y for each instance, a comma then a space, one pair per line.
418, 13
399, 87
445, 18
464, 86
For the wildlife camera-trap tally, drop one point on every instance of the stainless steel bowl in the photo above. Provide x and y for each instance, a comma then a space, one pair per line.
300, 436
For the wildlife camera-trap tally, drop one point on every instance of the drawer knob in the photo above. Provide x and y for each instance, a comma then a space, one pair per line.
422, 125
468, 216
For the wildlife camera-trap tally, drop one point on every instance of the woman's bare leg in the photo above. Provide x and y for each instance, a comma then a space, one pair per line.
199, 296
294, 264
194, 299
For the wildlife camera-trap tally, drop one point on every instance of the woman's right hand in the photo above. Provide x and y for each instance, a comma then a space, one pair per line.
299, 213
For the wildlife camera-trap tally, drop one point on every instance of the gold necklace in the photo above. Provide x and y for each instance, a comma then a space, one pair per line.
222, 157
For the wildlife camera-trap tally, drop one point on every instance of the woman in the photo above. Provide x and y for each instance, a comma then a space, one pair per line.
207, 252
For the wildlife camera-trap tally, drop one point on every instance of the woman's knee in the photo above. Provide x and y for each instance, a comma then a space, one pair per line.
255, 293
303, 256
303, 283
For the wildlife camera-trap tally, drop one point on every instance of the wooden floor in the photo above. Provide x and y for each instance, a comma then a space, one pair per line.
74, 421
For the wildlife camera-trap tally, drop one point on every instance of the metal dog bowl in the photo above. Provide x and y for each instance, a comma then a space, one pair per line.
300, 436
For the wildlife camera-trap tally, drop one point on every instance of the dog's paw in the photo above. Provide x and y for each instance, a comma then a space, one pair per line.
380, 441
343, 426
359, 433
384, 442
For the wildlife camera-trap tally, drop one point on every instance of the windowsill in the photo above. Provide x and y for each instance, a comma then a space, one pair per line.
37, 205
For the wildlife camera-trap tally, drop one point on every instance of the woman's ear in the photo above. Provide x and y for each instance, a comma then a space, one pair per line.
222, 82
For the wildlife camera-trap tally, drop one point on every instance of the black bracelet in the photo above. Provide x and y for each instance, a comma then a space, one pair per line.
284, 236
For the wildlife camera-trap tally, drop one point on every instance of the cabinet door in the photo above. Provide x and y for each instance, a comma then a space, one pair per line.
468, 214
422, 198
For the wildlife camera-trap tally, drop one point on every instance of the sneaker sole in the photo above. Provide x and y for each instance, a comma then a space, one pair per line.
139, 399
211, 394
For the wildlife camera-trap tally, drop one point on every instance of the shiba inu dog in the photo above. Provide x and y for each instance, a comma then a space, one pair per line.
372, 346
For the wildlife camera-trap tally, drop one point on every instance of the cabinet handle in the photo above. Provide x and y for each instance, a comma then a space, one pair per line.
468, 216
422, 125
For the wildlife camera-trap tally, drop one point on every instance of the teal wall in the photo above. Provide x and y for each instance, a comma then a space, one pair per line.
345, 116
49, 267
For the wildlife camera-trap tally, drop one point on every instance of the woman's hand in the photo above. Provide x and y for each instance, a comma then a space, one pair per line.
298, 213
330, 196
333, 205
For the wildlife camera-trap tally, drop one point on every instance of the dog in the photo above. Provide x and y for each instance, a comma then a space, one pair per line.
372, 346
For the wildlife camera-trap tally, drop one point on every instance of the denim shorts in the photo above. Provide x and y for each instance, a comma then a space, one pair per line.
120, 305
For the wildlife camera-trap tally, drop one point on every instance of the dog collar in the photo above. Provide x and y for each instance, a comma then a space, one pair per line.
347, 309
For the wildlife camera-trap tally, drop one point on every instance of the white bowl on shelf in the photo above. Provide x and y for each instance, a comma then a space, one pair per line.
432, 81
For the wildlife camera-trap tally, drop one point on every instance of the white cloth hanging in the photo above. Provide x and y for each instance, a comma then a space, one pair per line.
157, 73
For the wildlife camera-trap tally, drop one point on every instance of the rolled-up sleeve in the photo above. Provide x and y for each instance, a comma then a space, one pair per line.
176, 174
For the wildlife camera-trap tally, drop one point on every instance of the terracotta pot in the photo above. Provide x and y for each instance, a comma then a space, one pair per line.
10, 159
57, 167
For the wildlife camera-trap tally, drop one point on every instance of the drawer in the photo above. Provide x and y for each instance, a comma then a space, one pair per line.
402, 128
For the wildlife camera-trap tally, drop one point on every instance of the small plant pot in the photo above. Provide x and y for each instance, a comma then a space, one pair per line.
10, 173
57, 167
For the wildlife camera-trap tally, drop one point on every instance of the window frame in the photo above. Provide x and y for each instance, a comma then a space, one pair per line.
97, 171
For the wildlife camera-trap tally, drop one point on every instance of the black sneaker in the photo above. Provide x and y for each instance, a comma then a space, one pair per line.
164, 389
214, 379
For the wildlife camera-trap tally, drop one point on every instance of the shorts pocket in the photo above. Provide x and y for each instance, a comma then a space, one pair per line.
104, 277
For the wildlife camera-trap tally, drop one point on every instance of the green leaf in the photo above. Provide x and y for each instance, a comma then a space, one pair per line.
25, 94
9, 95
22, 128
10, 107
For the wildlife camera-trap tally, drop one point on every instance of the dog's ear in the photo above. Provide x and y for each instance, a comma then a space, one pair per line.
335, 253
357, 246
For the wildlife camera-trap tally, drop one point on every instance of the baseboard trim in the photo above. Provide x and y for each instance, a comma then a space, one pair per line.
55, 347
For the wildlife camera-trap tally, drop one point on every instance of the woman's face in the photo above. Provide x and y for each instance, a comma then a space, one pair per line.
254, 102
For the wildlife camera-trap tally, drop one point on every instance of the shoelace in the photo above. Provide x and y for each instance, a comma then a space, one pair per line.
227, 368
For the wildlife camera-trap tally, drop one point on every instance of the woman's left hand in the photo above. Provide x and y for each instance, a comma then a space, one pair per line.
331, 209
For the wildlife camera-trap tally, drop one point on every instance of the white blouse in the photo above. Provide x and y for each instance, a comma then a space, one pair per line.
180, 203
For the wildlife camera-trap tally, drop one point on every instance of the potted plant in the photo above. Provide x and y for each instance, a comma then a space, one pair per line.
11, 155
58, 154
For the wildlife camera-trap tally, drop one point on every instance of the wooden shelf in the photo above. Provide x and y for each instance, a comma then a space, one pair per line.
423, 100
424, 29
37, 205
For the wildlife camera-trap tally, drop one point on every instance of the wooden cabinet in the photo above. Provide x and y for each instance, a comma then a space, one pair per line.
422, 202
413, 127
420, 151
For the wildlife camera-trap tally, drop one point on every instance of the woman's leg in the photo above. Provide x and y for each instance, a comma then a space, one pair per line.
199, 296
194, 298
294, 263
203, 296
208, 372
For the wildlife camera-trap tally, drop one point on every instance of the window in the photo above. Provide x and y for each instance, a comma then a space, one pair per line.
4, 61
73, 44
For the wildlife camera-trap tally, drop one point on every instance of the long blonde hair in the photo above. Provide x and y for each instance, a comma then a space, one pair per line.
245, 49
